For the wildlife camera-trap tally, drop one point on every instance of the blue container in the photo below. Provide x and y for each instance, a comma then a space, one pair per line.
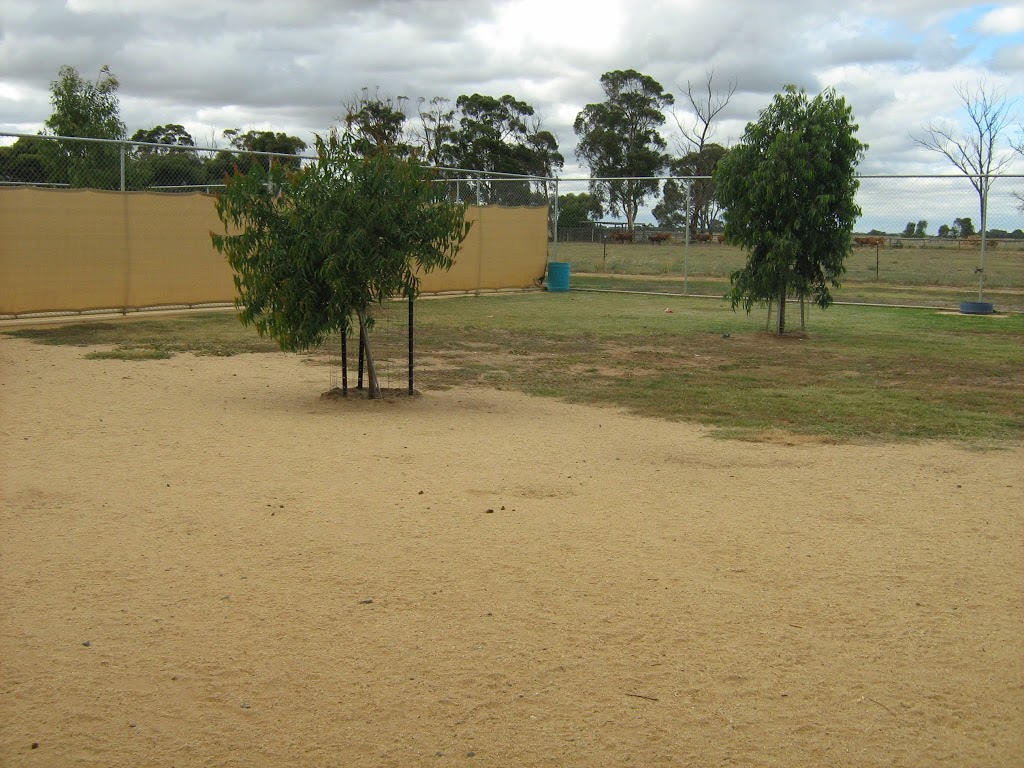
558, 276
975, 308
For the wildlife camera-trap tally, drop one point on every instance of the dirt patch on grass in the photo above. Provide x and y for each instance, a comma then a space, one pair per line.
203, 563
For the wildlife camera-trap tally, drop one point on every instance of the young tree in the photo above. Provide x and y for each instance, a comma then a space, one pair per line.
620, 140
976, 152
314, 246
788, 194
90, 110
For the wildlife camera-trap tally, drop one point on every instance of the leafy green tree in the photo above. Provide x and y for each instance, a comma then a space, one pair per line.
788, 194
313, 246
280, 144
921, 229
437, 121
908, 231
964, 227
378, 122
671, 211
619, 139
498, 135
578, 210
28, 160
165, 159
946, 231
90, 110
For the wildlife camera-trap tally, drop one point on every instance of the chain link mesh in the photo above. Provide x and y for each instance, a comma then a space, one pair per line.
913, 231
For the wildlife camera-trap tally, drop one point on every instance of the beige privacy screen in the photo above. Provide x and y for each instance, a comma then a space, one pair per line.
74, 250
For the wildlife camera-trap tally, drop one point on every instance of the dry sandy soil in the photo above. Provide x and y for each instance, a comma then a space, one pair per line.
205, 564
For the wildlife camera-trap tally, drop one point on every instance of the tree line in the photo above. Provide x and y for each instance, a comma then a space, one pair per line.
619, 137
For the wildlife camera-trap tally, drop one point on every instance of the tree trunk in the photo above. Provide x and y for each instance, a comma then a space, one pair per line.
370, 368
782, 310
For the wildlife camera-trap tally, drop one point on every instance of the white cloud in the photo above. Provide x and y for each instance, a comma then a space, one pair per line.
289, 66
1006, 20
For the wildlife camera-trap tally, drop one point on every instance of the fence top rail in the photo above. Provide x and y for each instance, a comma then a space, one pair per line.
476, 174
471, 174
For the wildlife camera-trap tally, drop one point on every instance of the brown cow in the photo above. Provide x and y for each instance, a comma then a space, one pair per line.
869, 242
621, 237
702, 237
720, 238
659, 237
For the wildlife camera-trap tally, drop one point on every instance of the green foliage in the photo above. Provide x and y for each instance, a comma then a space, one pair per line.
619, 137
964, 227
82, 108
164, 160
90, 110
312, 246
247, 144
377, 124
28, 160
788, 192
671, 211
578, 210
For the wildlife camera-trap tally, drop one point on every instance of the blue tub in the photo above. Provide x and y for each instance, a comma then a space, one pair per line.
558, 276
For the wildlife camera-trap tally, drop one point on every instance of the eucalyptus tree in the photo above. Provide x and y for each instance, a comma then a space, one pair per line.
497, 135
86, 109
620, 140
165, 157
378, 122
788, 196
314, 247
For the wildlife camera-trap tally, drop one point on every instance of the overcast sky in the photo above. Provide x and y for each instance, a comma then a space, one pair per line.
289, 66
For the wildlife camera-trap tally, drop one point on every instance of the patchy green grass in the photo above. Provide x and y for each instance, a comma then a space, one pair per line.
213, 333
860, 373
930, 276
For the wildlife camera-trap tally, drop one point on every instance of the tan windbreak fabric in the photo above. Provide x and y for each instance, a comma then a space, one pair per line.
77, 250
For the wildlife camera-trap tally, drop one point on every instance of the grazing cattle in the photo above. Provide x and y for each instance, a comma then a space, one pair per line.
620, 237
869, 242
702, 237
719, 238
659, 237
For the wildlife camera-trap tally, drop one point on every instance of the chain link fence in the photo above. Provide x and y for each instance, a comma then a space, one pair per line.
917, 241
130, 166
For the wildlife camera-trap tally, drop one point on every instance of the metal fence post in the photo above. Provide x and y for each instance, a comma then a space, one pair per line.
122, 147
554, 241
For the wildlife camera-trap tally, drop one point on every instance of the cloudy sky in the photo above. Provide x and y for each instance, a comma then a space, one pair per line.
289, 66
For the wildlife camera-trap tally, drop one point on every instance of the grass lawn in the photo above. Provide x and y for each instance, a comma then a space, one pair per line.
932, 276
860, 373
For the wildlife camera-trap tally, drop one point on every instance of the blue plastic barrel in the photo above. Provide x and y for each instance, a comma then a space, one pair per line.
558, 276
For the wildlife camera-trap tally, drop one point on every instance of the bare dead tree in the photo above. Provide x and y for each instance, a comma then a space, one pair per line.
707, 104
1018, 147
698, 155
975, 151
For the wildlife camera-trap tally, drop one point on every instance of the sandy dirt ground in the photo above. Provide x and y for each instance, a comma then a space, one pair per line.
205, 564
